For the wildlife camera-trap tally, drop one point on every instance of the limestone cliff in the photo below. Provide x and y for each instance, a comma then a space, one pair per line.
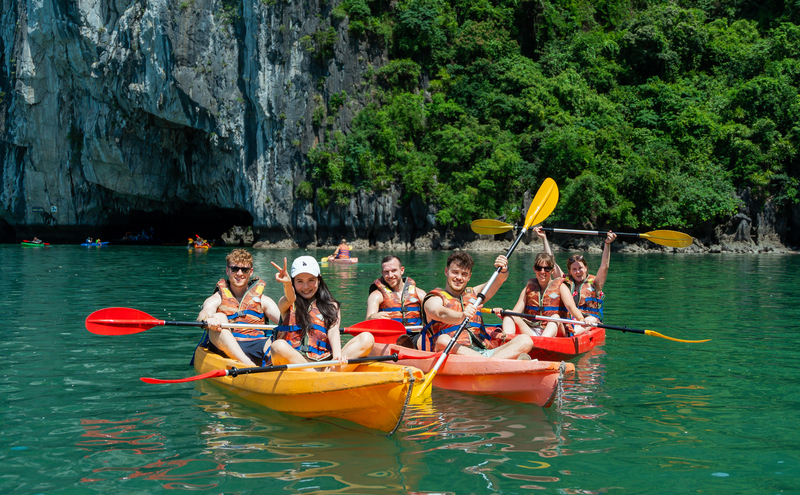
114, 107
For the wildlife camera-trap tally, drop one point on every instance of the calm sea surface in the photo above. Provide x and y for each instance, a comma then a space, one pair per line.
640, 415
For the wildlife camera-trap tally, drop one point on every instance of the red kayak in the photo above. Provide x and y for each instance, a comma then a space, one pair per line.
566, 348
532, 382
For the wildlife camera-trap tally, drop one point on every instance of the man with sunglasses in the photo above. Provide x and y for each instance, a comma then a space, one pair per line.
445, 310
239, 300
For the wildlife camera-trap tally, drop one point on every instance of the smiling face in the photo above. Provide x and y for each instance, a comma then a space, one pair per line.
239, 275
305, 285
392, 273
457, 277
578, 271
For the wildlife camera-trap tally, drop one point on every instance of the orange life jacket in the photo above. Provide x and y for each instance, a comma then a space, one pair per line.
312, 343
546, 303
433, 328
588, 299
344, 252
247, 311
405, 308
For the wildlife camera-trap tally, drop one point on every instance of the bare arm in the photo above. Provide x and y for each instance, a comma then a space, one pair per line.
435, 310
602, 272
566, 299
373, 306
209, 312
270, 309
289, 296
335, 338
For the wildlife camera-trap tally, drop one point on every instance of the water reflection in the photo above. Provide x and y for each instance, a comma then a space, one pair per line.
303, 454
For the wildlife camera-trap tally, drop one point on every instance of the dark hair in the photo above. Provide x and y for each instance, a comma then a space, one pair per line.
326, 304
389, 258
462, 259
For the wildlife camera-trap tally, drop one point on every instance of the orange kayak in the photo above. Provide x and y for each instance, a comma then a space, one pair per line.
375, 395
522, 381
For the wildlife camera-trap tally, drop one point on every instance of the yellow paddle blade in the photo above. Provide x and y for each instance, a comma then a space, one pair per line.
490, 227
668, 238
543, 203
423, 390
656, 334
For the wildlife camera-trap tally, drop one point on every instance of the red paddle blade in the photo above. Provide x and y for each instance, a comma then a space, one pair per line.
384, 331
210, 374
120, 321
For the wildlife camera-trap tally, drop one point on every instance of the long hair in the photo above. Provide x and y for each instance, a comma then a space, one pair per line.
326, 304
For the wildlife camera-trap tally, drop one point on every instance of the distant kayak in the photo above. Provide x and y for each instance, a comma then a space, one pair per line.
96, 244
27, 243
340, 261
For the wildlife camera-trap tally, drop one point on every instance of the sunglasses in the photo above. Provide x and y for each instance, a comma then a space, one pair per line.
244, 269
573, 259
540, 268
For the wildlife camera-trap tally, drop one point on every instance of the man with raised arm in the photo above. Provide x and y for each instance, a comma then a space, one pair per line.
445, 310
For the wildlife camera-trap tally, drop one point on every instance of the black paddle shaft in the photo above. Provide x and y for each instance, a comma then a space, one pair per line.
599, 325
233, 372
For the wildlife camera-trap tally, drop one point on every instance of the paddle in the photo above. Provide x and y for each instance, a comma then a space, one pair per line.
668, 238
126, 321
234, 372
541, 207
611, 327
31, 242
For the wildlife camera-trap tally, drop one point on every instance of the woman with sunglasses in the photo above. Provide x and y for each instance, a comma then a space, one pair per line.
541, 296
586, 290
310, 319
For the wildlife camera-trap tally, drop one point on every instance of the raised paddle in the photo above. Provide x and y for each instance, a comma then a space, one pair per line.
234, 372
668, 238
599, 325
126, 321
541, 207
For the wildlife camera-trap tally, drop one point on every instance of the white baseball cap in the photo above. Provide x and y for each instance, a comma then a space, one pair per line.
305, 264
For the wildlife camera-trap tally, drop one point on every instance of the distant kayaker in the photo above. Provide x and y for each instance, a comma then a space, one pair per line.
239, 300
586, 290
88, 240
342, 251
36, 240
313, 318
394, 297
445, 310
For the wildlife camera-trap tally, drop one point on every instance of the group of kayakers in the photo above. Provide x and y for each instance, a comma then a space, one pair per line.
309, 317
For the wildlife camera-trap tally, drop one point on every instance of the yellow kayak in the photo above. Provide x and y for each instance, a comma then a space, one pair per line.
375, 395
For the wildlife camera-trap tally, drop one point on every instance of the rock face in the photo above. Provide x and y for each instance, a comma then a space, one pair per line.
182, 108
110, 108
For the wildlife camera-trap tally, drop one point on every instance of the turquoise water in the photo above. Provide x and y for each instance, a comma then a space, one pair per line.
640, 415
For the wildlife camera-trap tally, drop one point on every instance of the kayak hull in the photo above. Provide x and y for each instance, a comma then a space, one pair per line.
345, 261
532, 382
95, 244
375, 395
566, 348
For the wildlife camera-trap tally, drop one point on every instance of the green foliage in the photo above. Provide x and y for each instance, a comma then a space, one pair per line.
647, 114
